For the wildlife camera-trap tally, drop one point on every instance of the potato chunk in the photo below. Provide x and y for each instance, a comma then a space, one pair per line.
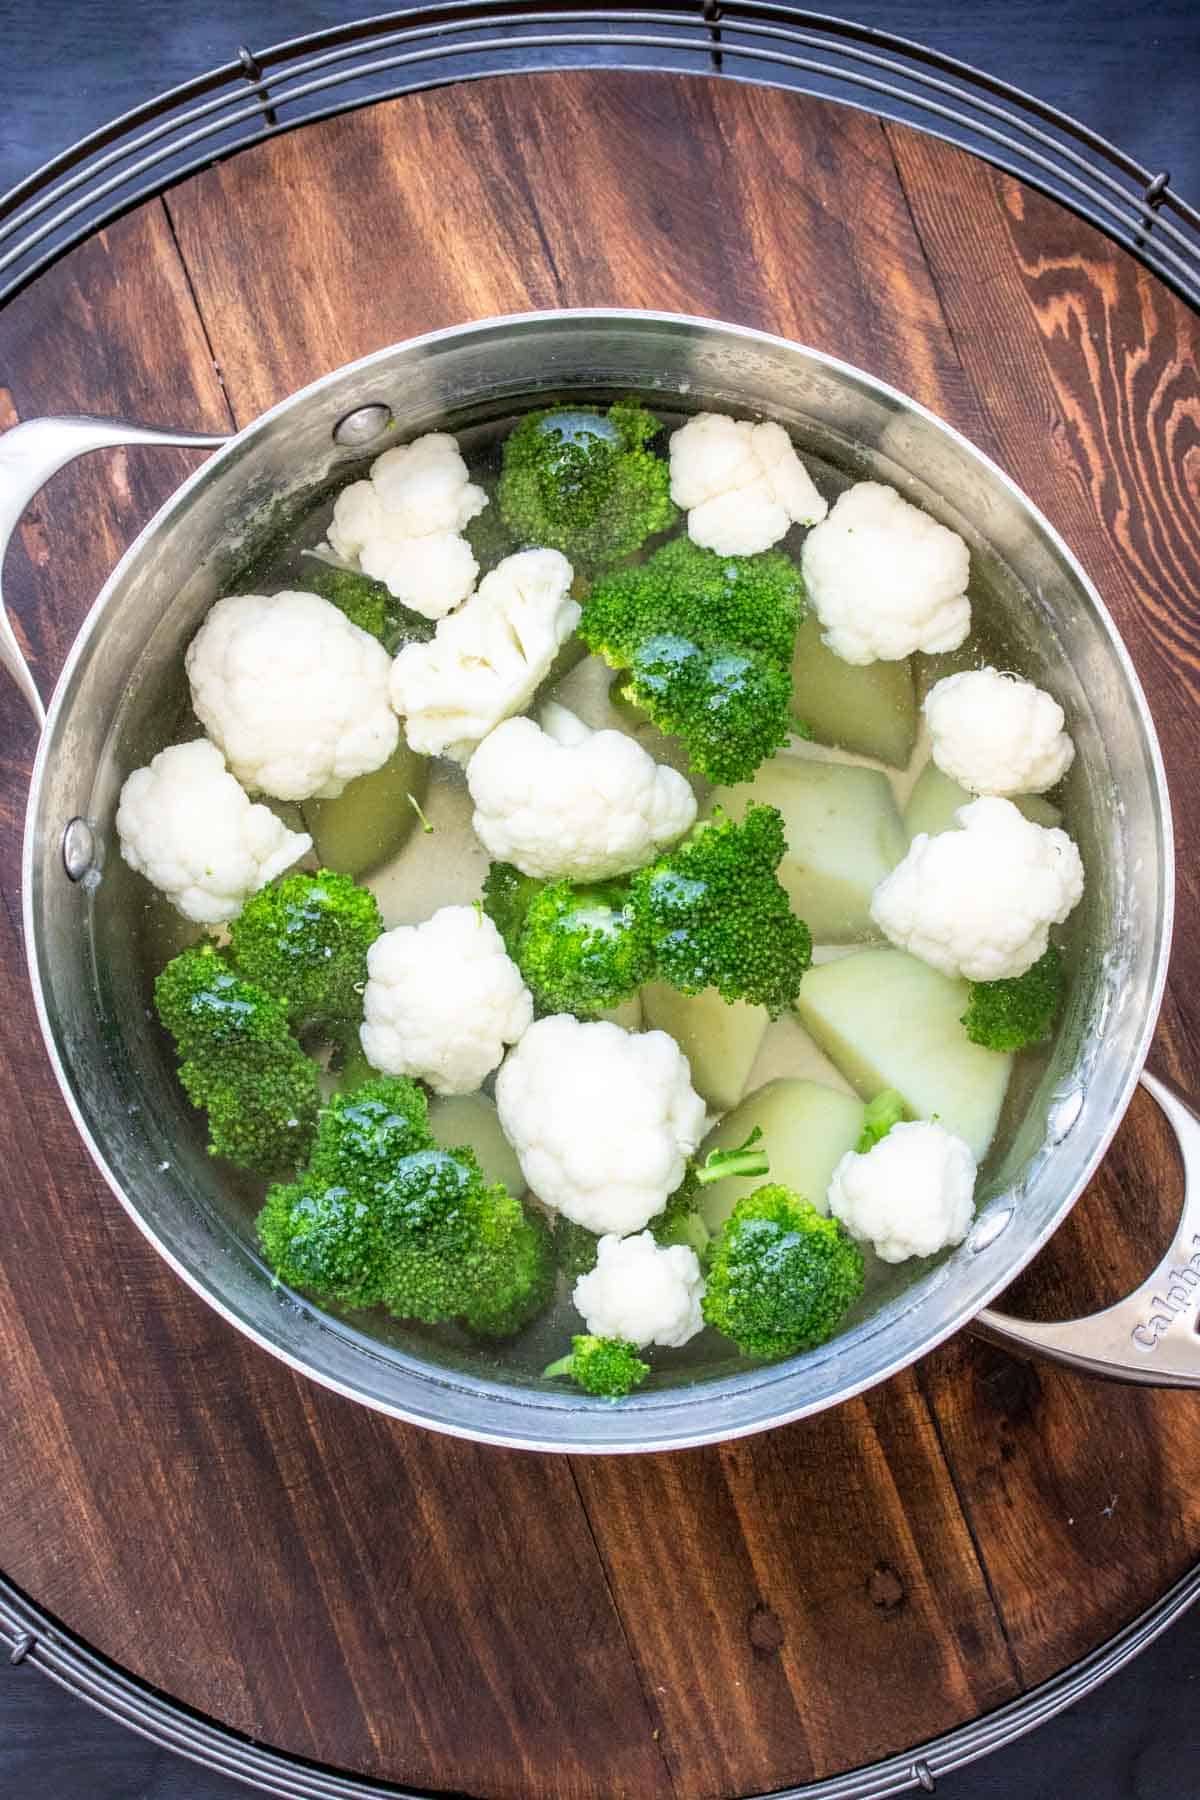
471, 1120
870, 709
719, 1038
366, 825
935, 799
887, 1020
844, 835
806, 1130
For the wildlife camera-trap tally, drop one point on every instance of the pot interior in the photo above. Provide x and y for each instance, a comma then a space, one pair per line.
96, 945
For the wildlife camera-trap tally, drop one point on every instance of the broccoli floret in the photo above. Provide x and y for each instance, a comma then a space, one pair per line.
608, 1367
718, 917
743, 602
323, 1239
305, 939
583, 482
507, 897
575, 1247
582, 949
489, 537
366, 1129
731, 709
368, 604
681, 1221
240, 1061
884, 1111
706, 643
384, 1216
780, 1277
513, 1271
1007, 1015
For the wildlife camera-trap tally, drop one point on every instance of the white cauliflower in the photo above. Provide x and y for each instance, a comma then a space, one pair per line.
602, 1120
885, 579
997, 734
741, 485
559, 799
293, 693
401, 526
442, 1000
641, 1292
485, 661
978, 902
186, 825
911, 1194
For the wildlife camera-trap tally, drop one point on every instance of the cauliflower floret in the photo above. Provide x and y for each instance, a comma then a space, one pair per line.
186, 825
603, 1121
997, 734
978, 902
486, 660
641, 1292
558, 799
293, 693
401, 526
885, 579
911, 1194
442, 1000
742, 485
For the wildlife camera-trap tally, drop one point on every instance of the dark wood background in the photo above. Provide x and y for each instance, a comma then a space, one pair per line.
461, 1618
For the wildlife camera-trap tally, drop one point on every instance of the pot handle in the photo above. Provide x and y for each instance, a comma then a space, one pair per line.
1152, 1335
29, 454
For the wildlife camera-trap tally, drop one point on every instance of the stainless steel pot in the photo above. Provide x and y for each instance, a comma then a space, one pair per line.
113, 707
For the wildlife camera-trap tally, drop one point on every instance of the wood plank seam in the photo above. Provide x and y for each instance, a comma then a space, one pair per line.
964, 1513
653, 1714
195, 299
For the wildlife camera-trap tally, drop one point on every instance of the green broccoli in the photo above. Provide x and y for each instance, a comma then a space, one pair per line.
323, 1239
575, 1247
240, 1061
365, 1130
581, 949
489, 537
305, 939
884, 1111
780, 1276
706, 644
459, 1247
718, 917
512, 1272
1007, 1015
368, 604
608, 1367
583, 482
681, 1221
749, 603
383, 1216
507, 897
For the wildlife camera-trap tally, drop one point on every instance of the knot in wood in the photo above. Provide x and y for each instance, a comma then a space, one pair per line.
885, 1589
764, 1630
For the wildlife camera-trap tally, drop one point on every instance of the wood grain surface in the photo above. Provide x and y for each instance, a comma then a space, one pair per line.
465, 1619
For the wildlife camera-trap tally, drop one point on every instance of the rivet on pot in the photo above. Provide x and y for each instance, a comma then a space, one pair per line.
362, 426
78, 849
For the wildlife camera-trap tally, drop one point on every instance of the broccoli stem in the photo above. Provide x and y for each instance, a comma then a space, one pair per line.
417, 808
745, 1160
564, 1366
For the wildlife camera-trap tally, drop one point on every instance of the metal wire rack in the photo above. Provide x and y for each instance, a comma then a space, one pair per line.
29, 1636
258, 94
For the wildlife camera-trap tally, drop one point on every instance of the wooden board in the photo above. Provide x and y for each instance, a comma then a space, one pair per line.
716, 1621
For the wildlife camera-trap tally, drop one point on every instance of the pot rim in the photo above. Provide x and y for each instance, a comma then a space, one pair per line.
655, 1407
